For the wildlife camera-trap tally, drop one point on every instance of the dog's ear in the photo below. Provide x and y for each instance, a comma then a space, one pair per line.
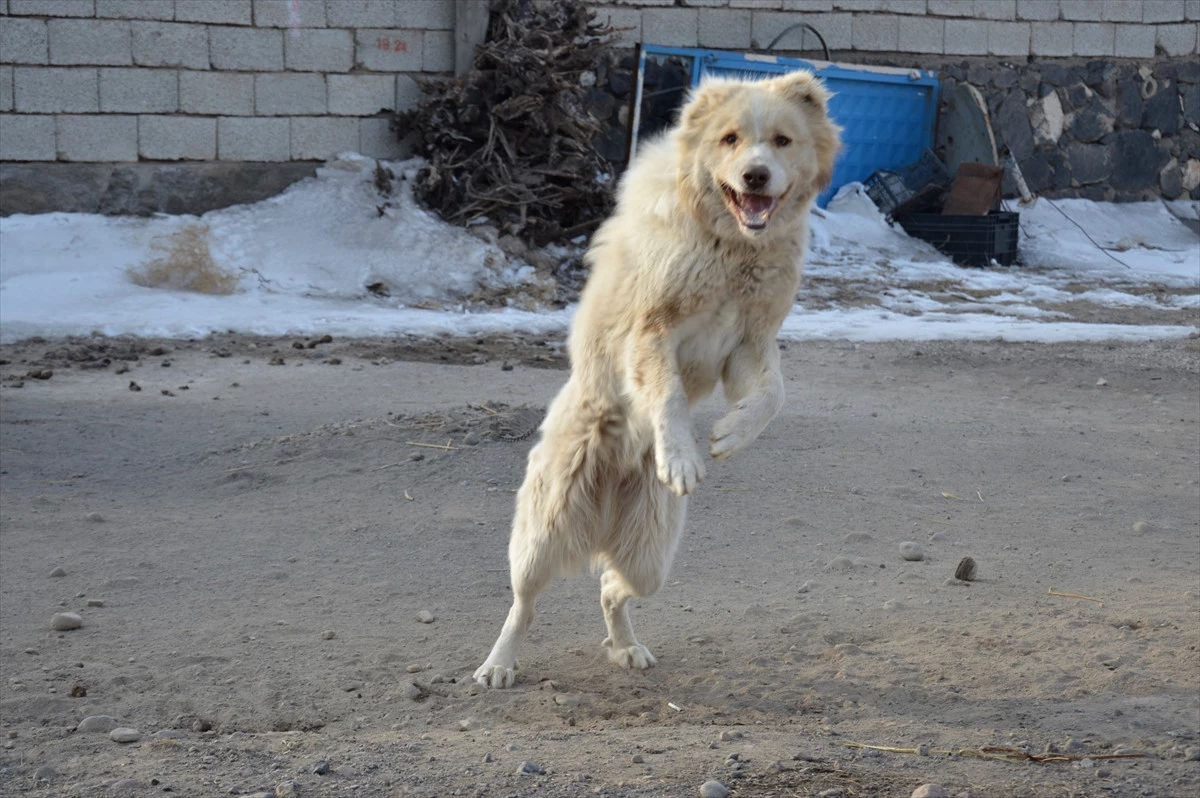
809, 93
704, 99
804, 88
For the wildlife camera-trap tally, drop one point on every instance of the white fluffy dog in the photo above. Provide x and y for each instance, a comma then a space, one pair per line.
690, 280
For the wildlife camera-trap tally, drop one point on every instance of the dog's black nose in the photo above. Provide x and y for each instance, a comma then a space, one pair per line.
756, 178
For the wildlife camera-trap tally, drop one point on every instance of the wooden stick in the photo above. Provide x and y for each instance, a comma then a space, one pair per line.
443, 446
1053, 592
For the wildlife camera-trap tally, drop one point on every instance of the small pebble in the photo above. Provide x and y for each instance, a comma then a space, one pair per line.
95, 602
45, 773
95, 518
858, 537
839, 564
65, 621
966, 569
565, 700
804, 588
912, 551
286, 789
1140, 527
471, 439
328, 634
729, 736
413, 692
414, 668
713, 789
321, 768
930, 791
529, 769
638, 759
425, 616
923, 750
124, 735
416, 457
59, 571
832, 792
488, 757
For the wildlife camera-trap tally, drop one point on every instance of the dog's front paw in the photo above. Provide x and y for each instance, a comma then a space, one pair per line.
730, 434
680, 468
635, 656
497, 676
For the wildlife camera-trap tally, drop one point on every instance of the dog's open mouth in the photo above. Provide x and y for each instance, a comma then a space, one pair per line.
752, 211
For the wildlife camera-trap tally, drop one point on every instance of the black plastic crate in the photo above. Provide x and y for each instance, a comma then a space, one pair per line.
891, 188
968, 240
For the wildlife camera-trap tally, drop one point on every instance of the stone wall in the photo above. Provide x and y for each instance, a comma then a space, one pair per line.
1101, 130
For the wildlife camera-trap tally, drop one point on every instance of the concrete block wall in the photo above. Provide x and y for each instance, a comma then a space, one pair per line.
1000, 28
204, 80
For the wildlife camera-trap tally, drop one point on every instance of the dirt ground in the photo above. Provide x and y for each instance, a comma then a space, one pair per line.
249, 547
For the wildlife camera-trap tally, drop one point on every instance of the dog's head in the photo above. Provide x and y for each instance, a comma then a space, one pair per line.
754, 153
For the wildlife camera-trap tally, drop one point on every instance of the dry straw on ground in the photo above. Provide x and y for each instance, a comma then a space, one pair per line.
184, 263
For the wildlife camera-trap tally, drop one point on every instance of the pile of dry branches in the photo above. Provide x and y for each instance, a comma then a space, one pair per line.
512, 139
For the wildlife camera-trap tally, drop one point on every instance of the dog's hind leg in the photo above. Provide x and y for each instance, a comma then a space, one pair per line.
549, 537
531, 572
648, 525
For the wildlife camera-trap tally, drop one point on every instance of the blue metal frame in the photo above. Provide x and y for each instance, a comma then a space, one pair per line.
888, 115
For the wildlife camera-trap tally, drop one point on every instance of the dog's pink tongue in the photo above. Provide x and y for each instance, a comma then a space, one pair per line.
756, 208
757, 204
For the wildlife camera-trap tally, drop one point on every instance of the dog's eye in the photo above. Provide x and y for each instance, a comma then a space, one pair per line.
730, 139
782, 141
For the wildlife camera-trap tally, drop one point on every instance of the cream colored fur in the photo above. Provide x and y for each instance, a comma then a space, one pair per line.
688, 287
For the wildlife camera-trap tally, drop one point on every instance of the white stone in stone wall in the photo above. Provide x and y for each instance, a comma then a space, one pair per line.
875, 32
249, 49
671, 27
217, 12
139, 90
1046, 117
1008, 38
216, 93
277, 13
390, 50
53, 8
361, 95
408, 93
1053, 39
1039, 10
24, 41
103, 137
424, 15
836, 29
966, 37
804, 6
1122, 10
170, 44
135, 9
1094, 38
1134, 41
438, 51
316, 138
1176, 40
923, 34
103, 42
361, 14
376, 139
1165, 11
319, 50
1081, 10
724, 28
952, 8
289, 93
6, 88
56, 90
27, 137
254, 139
177, 138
